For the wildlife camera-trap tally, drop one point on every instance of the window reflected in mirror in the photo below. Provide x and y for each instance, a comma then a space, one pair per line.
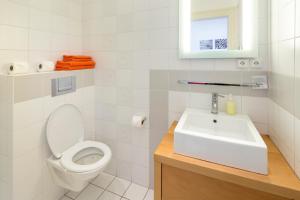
215, 25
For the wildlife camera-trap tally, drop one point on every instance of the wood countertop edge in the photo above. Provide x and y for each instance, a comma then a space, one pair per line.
249, 182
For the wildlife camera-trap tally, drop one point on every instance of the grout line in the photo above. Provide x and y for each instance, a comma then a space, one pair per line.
102, 187
127, 190
146, 194
100, 195
78, 193
105, 190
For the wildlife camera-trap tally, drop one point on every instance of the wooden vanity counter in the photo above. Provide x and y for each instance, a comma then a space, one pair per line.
180, 177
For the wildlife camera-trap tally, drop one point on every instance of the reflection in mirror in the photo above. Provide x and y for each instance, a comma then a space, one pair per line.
218, 29
215, 25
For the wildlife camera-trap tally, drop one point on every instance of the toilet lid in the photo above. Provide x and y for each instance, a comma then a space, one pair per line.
65, 128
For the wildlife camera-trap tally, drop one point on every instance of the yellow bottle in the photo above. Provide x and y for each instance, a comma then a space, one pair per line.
230, 106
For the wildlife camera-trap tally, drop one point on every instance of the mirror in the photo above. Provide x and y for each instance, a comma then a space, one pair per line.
218, 29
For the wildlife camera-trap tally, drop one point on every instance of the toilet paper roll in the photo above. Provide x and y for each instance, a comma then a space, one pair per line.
46, 66
17, 68
138, 121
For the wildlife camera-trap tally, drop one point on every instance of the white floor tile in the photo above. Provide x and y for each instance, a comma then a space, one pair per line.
149, 195
109, 196
72, 195
91, 192
103, 180
65, 198
118, 186
135, 192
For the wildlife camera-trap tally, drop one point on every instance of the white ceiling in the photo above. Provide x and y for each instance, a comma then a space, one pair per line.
206, 5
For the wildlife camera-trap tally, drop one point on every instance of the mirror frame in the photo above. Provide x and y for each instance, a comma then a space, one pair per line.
249, 30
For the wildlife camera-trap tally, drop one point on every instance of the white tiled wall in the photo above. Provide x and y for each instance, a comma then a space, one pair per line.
37, 30
284, 125
31, 178
255, 107
5, 137
128, 38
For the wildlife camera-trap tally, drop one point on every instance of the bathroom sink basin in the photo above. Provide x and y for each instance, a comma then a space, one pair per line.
227, 140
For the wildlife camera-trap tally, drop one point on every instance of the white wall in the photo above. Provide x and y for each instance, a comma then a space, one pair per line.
285, 66
128, 38
6, 102
37, 30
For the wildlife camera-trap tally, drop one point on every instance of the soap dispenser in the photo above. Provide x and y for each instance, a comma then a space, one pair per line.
230, 106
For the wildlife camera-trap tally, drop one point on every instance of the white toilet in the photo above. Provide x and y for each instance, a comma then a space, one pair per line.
75, 162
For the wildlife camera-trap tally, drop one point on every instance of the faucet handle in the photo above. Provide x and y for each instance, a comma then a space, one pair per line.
217, 95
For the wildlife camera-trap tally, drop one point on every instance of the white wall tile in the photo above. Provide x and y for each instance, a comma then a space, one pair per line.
4, 169
140, 156
29, 138
125, 23
13, 38
178, 101
140, 175
124, 6
4, 190
287, 20
28, 112
200, 100
124, 170
286, 58
27, 175
124, 115
106, 95
141, 5
297, 18
124, 78
159, 18
39, 40
13, 14
256, 108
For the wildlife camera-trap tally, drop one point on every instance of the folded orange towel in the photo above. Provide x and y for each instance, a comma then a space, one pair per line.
63, 63
74, 68
76, 58
73, 62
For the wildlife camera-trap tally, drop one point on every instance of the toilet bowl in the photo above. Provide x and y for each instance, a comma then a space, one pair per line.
74, 162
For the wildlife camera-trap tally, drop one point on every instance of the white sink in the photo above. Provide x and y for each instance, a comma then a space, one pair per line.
228, 140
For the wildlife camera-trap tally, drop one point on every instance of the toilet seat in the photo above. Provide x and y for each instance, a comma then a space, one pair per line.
67, 157
65, 128
74, 162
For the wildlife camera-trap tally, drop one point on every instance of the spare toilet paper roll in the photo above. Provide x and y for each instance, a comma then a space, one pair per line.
138, 121
46, 66
18, 68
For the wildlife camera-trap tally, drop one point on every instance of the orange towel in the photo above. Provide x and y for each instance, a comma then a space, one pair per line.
63, 63
73, 62
74, 68
71, 57
76, 60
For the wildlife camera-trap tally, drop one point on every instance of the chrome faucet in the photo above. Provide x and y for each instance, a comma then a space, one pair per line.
215, 103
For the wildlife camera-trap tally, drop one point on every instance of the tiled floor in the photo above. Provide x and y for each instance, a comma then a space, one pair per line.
108, 187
